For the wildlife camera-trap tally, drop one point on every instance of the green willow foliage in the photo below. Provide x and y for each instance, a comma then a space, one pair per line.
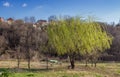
77, 36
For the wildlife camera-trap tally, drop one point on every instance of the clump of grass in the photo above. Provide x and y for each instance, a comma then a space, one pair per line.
30, 75
97, 75
82, 74
102, 67
118, 71
75, 75
64, 76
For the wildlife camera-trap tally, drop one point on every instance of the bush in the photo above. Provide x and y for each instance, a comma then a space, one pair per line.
5, 73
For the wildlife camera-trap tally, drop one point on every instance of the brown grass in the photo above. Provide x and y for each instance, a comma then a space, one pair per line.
104, 69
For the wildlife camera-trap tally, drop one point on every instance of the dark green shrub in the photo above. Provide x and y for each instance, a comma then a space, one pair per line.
5, 73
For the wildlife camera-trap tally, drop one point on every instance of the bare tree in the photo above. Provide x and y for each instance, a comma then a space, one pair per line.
32, 19
29, 42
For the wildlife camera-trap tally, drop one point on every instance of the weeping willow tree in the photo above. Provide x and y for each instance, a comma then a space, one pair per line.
76, 36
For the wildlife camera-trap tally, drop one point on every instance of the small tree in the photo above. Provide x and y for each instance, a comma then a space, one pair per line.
28, 41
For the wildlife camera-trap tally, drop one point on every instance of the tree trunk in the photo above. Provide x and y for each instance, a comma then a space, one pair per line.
86, 61
86, 64
18, 58
92, 63
72, 62
28, 57
29, 64
47, 62
95, 63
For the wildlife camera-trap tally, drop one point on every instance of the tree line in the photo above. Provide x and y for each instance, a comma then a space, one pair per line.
63, 37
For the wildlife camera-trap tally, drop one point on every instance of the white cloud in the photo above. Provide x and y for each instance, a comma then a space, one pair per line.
24, 5
6, 4
38, 7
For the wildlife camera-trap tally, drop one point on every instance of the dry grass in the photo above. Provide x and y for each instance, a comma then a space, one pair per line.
102, 69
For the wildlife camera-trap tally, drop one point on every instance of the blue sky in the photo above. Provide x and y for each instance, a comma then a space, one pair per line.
102, 10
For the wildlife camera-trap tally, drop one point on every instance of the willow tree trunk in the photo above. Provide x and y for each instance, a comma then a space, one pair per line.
72, 62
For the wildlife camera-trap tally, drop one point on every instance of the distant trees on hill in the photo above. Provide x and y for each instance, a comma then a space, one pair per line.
68, 36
